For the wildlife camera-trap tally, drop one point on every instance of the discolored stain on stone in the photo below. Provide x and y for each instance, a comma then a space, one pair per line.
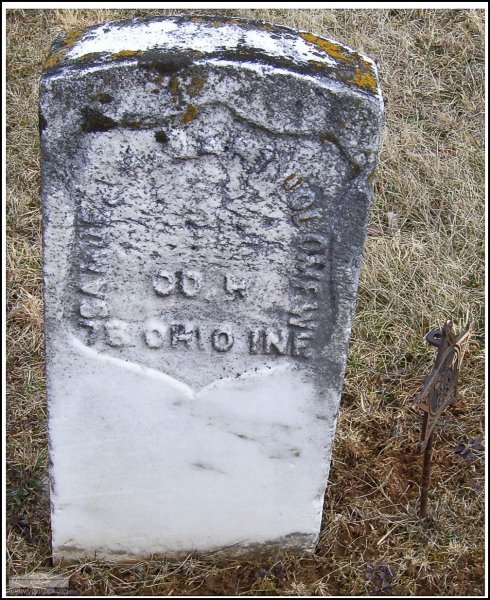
165, 63
42, 122
95, 121
161, 137
105, 98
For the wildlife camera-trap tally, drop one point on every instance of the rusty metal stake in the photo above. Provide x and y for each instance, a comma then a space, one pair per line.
424, 488
438, 393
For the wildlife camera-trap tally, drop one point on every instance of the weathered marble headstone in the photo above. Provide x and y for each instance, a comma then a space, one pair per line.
206, 186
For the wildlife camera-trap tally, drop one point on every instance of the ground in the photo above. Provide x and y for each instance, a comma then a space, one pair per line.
423, 263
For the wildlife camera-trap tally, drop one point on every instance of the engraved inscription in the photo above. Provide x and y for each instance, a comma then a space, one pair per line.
154, 333
279, 342
310, 264
93, 241
187, 283
222, 339
239, 271
116, 333
94, 308
235, 286
157, 334
181, 334
164, 283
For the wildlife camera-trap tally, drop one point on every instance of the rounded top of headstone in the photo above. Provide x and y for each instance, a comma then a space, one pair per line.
171, 43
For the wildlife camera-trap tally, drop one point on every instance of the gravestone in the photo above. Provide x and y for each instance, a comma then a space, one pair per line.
206, 185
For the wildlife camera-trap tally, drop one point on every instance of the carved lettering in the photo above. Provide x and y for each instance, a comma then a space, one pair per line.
94, 237
313, 243
93, 216
164, 283
94, 308
276, 341
235, 286
93, 264
93, 329
154, 333
93, 287
301, 202
301, 344
256, 341
222, 339
306, 215
116, 332
302, 316
306, 286
310, 264
189, 283
181, 334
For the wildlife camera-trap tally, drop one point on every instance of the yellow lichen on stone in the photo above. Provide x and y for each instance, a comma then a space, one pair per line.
219, 23
189, 114
86, 58
266, 27
72, 36
331, 48
197, 83
365, 78
126, 53
174, 87
54, 58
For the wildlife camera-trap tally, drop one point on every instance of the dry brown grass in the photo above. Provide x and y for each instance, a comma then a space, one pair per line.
427, 266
